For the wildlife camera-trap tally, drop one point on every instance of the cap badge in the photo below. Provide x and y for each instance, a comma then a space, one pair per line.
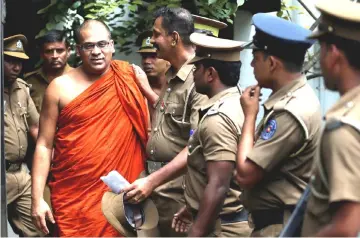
147, 42
19, 44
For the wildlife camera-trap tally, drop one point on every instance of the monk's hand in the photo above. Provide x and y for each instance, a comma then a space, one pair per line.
40, 212
250, 100
138, 191
141, 79
182, 220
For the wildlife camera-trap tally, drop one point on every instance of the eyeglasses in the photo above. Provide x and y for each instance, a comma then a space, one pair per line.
91, 46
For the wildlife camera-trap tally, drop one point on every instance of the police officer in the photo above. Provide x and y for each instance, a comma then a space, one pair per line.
211, 194
275, 170
154, 67
176, 115
20, 117
54, 52
333, 208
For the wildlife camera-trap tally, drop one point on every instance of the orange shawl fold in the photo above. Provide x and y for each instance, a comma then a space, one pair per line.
103, 129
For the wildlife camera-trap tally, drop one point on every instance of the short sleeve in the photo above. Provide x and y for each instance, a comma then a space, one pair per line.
340, 148
219, 139
281, 137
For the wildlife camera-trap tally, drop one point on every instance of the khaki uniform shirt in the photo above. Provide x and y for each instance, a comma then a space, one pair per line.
215, 139
337, 167
38, 85
176, 113
20, 114
286, 141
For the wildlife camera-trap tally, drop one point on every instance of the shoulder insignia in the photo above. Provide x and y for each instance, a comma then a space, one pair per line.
269, 129
212, 111
23, 82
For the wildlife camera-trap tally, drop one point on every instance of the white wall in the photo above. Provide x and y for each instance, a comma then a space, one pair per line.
244, 31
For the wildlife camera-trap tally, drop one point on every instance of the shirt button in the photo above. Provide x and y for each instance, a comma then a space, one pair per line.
155, 129
289, 94
151, 152
161, 108
13, 113
18, 129
168, 90
21, 147
190, 146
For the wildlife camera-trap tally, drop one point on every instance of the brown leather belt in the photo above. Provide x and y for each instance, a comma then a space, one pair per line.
12, 166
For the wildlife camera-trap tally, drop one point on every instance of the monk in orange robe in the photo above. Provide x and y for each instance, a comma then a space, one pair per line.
97, 118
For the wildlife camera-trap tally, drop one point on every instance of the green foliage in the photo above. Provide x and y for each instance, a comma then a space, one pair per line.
286, 9
126, 18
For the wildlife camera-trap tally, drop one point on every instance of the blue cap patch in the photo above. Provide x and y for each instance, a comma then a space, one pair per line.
269, 129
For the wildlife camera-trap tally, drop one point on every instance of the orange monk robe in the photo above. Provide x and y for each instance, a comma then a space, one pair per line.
103, 129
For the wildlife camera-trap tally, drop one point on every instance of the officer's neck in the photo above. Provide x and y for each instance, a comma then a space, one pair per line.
216, 89
283, 78
348, 80
181, 56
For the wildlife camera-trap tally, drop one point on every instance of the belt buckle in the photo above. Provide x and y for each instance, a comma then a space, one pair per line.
153, 166
13, 167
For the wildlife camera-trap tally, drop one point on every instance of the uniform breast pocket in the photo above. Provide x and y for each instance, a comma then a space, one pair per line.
178, 124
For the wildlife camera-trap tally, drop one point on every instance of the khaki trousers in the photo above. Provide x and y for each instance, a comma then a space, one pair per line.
236, 229
169, 199
18, 193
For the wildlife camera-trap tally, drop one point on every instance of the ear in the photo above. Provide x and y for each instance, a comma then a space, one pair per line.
77, 50
211, 74
273, 63
68, 52
112, 46
335, 58
175, 36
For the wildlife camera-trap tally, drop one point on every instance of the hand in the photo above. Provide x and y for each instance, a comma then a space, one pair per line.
138, 191
141, 79
250, 100
182, 220
39, 213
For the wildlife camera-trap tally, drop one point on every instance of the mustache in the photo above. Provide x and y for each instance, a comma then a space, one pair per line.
156, 46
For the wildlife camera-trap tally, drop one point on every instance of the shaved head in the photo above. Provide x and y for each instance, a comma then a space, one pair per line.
88, 24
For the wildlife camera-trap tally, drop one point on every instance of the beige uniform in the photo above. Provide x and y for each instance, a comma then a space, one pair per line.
20, 114
216, 139
39, 83
337, 168
286, 141
176, 113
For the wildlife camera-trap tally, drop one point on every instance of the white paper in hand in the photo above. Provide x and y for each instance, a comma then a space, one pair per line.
115, 181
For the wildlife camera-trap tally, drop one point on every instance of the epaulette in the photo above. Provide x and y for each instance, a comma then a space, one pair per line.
30, 74
23, 82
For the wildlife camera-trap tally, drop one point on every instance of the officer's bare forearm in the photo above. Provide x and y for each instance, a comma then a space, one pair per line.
345, 221
172, 170
219, 177
246, 144
40, 171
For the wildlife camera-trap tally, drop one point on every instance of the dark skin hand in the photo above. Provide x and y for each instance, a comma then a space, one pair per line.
345, 221
248, 173
219, 174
